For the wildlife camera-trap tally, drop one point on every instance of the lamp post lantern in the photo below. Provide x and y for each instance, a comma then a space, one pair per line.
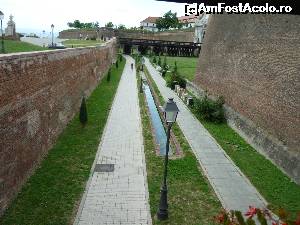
170, 111
52, 27
2, 38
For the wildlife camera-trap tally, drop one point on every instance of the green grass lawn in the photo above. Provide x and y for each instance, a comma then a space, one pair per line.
20, 46
81, 43
52, 194
186, 66
190, 197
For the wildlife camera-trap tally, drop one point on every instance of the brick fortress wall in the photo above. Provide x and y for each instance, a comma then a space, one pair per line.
253, 61
176, 35
39, 94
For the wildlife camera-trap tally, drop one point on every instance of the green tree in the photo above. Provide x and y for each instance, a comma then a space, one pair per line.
175, 68
154, 60
121, 27
159, 61
109, 25
83, 117
77, 24
169, 20
165, 63
96, 24
70, 24
87, 25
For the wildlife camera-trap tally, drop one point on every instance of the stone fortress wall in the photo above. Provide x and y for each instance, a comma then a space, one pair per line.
176, 35
40, 92
254, 62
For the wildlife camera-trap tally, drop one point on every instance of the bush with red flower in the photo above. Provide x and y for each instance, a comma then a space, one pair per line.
261, 216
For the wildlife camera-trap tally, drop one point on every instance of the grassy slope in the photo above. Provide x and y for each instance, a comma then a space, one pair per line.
19, 46
191, 198
186, 65
81, 43
51, 195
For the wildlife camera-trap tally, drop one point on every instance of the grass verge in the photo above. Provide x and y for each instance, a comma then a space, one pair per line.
11, 46
191, 199
52, 194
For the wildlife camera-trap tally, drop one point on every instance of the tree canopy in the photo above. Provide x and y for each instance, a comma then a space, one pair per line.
79, 25
109, 25
169, 20
121, 27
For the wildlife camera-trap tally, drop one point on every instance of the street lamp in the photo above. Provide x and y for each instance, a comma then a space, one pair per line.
2, 41
170, 111
52, 27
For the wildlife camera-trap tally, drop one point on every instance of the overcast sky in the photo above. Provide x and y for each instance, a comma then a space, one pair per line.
38, 15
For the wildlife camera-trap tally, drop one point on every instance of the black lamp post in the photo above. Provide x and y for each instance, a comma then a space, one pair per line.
2, 39
52, 27
170, 114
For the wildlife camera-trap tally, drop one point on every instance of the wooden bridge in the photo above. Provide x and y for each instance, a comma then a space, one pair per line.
172, 48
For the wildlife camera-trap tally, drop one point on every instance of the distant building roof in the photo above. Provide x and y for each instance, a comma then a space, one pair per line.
150, 19
188, 19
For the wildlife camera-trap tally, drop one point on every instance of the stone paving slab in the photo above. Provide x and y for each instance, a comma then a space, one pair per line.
233, 189
121, 196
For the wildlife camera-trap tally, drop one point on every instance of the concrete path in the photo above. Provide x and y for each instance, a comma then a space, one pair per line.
232, 187
121, 196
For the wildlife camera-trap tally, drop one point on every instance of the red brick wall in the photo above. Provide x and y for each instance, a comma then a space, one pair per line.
39, 93
176, 35
253, 61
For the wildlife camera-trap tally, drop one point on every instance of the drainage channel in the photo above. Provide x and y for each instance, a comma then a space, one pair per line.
159, 131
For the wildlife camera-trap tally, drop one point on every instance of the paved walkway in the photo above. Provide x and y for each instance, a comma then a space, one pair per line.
232, 187
121, 196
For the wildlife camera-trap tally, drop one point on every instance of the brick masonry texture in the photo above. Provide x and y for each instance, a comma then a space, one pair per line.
181, 35
253, 61
40, 92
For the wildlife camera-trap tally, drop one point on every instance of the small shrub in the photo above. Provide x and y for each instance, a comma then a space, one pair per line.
83, 112
159, 61
163, 72
120, 58
108, 75
175, 67
117, 64
154, 60
165, 63
210, 110
263, 217
175, 79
